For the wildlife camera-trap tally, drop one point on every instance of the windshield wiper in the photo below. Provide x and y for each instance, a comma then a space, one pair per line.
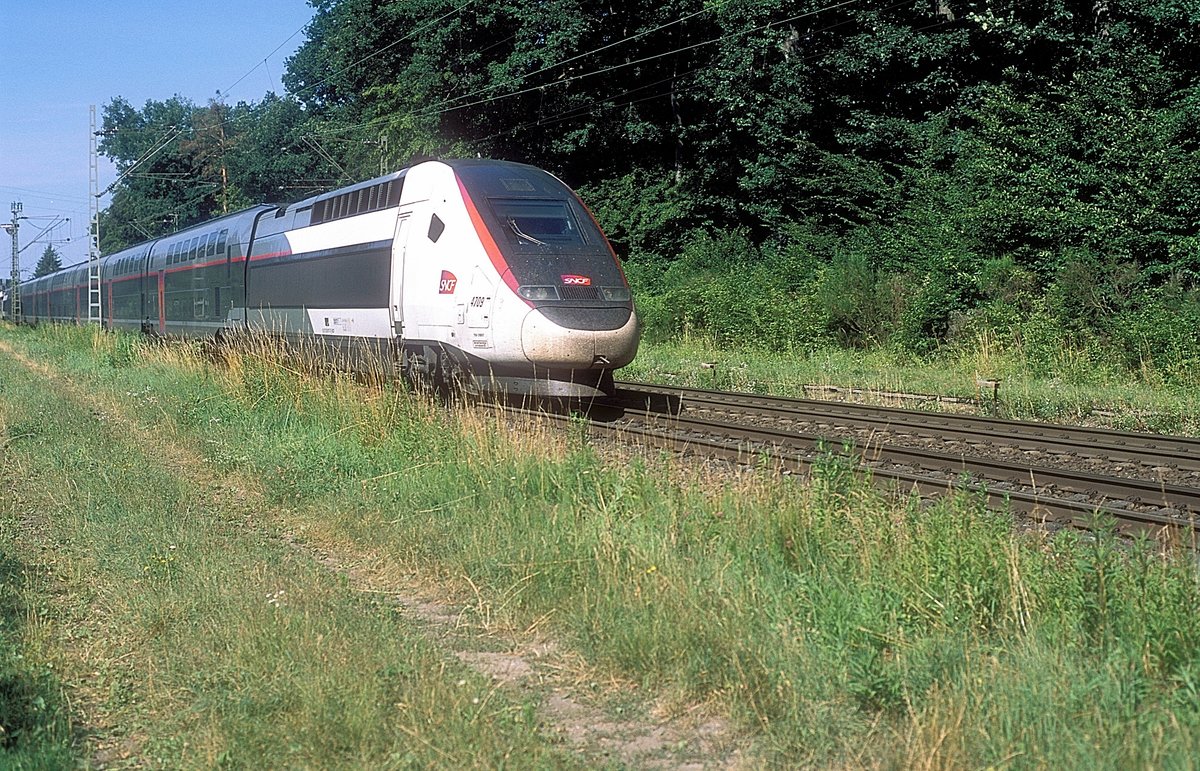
512, 223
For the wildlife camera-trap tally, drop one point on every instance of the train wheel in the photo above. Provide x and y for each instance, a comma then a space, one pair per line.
453, 381
418, 368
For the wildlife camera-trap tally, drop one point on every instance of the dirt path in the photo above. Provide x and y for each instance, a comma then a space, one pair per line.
587, 714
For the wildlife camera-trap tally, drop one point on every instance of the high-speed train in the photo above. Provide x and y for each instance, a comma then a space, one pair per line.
490, 274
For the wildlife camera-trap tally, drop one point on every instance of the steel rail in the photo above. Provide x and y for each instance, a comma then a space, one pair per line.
1040, 505
1138, 491
1176, 452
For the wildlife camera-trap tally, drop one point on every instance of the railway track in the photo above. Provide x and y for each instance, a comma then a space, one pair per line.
1065, 475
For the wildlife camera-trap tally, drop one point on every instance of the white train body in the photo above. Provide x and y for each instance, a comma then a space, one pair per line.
488, 273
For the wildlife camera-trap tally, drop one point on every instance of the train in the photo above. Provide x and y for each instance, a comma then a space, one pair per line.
489, 275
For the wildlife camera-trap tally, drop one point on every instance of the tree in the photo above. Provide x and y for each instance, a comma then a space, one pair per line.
180, 163
161, 184
49, 262
277, 156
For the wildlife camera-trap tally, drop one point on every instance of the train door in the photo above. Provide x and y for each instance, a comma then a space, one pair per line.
162, 302
399, 246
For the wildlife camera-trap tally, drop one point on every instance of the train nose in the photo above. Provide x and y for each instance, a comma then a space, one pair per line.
555, 340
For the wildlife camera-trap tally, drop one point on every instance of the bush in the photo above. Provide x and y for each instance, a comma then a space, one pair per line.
858, 301
724, 287
809, 289
1161, 334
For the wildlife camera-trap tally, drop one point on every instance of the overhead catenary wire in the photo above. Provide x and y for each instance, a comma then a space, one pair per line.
45, 194
179, 131
320, 151
707, 9
164, 140
378, 51
154, 150
58, 220
448, 105
615, 99
454, 103
643, 60
262, 63
434, 108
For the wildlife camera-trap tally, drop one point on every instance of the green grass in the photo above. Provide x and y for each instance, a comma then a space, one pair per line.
187, 630
1073, 391
36, 727
836, 626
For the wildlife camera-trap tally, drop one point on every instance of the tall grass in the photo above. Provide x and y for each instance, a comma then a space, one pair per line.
192, 634
837, 625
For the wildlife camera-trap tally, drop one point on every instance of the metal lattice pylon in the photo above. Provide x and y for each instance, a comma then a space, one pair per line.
14, 287
94, 306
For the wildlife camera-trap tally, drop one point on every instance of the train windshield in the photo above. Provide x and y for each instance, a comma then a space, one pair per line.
538, 222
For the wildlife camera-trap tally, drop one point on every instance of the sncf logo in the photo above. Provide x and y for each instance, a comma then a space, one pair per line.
573, 280
448, 283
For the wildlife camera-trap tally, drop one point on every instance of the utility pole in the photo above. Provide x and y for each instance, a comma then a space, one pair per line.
94, 306
14, 286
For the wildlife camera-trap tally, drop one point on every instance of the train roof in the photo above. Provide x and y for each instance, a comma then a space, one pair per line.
303, 205
454, 163
312, 200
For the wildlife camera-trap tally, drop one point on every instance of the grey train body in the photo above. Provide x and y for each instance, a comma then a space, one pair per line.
489, 273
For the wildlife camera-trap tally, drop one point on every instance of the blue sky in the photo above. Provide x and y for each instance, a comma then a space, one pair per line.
57, 57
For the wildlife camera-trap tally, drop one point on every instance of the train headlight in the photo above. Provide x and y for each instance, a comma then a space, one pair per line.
535, 293
617, 294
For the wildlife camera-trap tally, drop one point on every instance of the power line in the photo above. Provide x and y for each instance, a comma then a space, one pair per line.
264, 60
449, 104
592, 52
454, 103
433, 110
229, 122
378, 51
441, 108
164, 143
57, 221
644, 59
580, 111
43, 194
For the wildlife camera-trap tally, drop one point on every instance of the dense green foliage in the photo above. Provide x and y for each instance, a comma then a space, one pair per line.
791, 173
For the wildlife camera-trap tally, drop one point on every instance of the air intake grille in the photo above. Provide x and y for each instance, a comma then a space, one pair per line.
579, 292
366, 199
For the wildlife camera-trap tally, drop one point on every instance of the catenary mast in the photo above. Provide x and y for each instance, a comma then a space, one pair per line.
94, 230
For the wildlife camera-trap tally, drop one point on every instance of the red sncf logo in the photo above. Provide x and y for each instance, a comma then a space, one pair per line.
573, 280
448, 283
